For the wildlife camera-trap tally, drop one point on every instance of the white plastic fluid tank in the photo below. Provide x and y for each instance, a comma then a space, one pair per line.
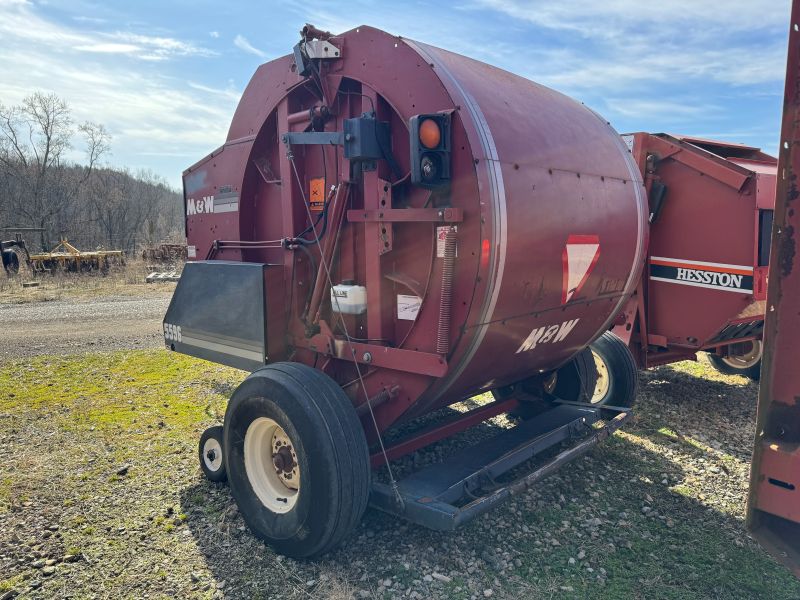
349, 298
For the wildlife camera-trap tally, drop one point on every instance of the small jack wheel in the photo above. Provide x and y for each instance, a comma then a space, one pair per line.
212, 461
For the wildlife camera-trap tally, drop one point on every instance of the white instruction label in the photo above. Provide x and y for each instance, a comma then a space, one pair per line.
441, 234
191, 251
408, 307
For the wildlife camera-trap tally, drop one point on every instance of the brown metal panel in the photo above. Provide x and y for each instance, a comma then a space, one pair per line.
773, 508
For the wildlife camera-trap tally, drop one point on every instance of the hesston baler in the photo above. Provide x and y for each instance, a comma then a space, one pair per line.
704, 285
379, 243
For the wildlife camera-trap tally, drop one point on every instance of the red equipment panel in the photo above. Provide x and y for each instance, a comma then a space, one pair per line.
773, 507
710, 212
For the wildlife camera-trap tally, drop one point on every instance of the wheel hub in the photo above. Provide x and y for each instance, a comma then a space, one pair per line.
284, 458
270, 460
212, 455
603, 380
746, 359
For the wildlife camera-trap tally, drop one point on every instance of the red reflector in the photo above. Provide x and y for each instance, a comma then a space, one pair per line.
484, 253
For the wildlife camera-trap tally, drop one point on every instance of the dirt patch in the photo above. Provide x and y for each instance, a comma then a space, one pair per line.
102, 496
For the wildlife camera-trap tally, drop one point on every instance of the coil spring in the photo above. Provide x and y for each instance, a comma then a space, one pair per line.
446, 300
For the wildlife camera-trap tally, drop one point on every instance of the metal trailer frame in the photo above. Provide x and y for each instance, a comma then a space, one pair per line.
67, 257
452, 492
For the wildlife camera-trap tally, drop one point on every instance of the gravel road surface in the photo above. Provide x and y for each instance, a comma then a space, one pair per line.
72, 326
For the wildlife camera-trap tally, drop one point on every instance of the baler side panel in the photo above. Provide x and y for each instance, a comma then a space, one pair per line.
567, 179
703, 265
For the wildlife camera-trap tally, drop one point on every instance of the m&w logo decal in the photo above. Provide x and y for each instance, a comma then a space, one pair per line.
715, 276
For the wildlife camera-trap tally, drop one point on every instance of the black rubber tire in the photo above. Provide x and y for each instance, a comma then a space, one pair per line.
10, 262
332, 457
14, 262
575, 381
220, 474
623, 376
752, 372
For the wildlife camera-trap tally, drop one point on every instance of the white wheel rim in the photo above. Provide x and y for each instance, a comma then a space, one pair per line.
603, 379
746, 360
212, 455
270, 460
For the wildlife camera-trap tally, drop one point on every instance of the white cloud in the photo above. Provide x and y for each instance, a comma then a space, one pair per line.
19, 21
623, 43
162, 46
109, 48
676, 109
85, 19
591, 18
147, 112
241, 42
214, 34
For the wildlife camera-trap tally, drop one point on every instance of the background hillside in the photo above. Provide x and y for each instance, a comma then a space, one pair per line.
53, 177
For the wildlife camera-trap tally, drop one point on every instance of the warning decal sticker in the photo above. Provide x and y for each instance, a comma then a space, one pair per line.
408, 307
579, 258
715, 276
316, 194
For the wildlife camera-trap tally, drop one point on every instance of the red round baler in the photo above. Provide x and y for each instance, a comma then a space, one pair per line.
391, 228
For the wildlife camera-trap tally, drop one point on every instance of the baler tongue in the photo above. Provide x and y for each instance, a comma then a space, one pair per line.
454, 491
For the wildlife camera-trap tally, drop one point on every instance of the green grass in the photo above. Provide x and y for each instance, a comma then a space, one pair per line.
120, 391
10, 583
695, 558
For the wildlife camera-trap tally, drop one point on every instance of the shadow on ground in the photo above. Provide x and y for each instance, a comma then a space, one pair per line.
655, 512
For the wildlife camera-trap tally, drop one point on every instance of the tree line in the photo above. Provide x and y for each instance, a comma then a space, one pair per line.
53, 197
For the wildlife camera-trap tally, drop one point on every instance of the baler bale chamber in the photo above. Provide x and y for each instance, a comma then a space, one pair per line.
391, 228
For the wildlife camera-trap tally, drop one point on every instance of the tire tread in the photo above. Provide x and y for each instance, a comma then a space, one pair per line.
622, 368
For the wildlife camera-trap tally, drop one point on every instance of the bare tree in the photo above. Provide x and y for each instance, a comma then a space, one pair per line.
91, 204
35, 137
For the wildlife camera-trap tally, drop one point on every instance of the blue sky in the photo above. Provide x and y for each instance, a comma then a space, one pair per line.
164, 77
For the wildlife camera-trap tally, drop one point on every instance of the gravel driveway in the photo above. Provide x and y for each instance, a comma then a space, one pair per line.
72, 326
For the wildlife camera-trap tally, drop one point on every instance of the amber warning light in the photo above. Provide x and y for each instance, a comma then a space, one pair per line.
429, 134
430, 150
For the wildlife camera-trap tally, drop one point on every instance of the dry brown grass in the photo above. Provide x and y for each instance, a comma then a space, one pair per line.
123, 280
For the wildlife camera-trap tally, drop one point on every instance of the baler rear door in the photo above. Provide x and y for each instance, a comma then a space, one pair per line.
218, 313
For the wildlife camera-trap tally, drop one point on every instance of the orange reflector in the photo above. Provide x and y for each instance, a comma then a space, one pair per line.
429, 133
